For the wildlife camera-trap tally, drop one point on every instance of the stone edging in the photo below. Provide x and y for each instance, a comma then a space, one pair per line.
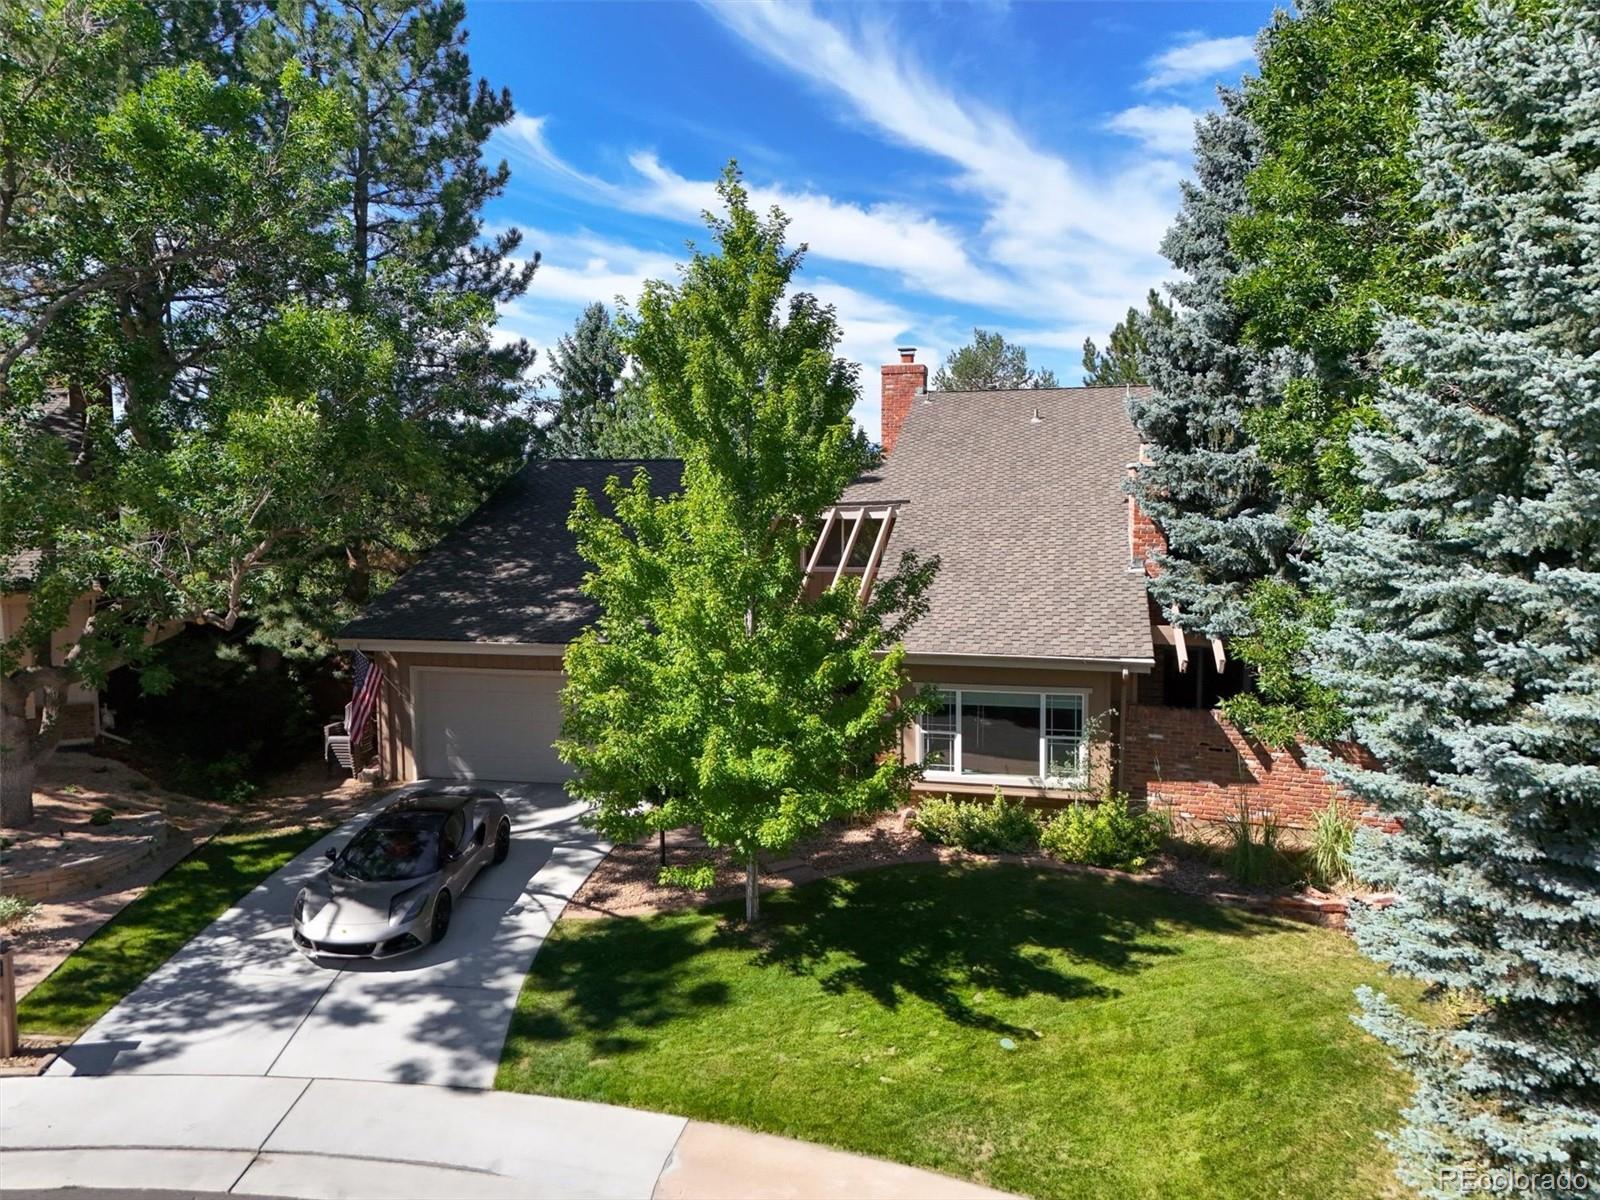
1326, 910
86, 871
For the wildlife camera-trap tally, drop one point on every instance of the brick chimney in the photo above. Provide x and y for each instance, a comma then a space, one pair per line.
903, 382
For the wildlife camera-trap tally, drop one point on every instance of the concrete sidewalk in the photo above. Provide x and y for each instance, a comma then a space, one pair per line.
266, 1136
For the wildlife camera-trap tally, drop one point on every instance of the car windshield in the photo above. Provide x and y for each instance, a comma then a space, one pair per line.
398, 846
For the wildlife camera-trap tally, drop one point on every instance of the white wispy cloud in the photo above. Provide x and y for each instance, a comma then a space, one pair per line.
1161, 128
1055, 249
1197, 59
579, 269
1065, 240
926, 253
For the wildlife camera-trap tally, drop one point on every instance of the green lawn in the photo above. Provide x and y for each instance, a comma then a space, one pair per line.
124, 951
1163, 1046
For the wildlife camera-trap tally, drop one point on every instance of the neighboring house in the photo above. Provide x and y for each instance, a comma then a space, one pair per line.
1052, 663
63, 415
80, 715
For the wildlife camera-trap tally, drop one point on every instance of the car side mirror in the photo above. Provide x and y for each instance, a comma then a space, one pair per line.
331, 854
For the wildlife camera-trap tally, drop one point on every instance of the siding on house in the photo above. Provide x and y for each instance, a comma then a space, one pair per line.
80, 716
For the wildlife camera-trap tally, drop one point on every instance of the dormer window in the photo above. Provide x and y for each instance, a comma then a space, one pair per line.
833, 545
849, 541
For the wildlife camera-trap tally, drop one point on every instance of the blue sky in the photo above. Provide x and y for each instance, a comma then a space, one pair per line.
1011, 166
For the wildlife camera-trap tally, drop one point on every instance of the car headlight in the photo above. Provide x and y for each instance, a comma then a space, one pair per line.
408, 906
305, 906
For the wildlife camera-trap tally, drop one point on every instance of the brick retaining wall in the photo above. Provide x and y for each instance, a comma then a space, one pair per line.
1196, 761
77, 721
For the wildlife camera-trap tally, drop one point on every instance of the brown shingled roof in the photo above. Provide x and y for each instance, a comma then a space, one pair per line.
1029, 520
511, 571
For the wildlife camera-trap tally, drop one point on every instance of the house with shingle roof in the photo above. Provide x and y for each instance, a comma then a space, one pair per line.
1038, 630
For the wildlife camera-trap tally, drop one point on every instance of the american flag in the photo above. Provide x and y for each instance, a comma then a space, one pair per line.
364, 700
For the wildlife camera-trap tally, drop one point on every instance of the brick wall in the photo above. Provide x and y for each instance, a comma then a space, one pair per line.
1147, 539
1195, 761
77, 721
902, 383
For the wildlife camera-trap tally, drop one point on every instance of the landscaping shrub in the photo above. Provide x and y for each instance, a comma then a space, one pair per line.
16, 912
1332, 839
102, 816
1107, 834
997, 826
212, 715
226, 778
1251, 851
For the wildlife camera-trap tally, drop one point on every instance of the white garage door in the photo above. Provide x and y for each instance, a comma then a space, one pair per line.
489, 725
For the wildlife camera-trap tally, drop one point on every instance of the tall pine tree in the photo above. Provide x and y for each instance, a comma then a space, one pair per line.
420, 267
597, 411
1205, 484
988, 362
1469, 640
1120, 362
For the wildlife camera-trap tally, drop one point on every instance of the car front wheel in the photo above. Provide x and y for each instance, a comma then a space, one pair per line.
441, 916
502, 842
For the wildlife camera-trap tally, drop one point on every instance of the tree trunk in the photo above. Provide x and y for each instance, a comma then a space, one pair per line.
752, 890
361, 207
18, 757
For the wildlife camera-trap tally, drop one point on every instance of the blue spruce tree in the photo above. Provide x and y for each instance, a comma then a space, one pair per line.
1205, 484
1468, 645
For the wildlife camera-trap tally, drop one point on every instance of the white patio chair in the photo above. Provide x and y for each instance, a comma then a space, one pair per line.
336, 748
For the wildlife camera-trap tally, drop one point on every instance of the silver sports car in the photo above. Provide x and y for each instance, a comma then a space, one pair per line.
393, 886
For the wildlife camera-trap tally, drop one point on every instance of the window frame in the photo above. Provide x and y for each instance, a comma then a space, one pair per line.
953, 773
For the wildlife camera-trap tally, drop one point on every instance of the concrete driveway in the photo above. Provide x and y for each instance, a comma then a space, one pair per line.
239, 999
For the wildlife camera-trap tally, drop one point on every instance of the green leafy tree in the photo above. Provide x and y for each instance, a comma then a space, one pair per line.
1121, 361
1336, 230
1468, 638
986, 363
711, 692
1330, 227
417, 263
597, 412
151, 224
203, 416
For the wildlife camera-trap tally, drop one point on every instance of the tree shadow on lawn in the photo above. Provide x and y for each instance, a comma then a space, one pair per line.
933, 933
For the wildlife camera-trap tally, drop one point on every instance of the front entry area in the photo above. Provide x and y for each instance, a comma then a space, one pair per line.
488, 724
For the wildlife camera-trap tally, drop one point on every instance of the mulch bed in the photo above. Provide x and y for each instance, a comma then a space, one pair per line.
34, 1054
624, 884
